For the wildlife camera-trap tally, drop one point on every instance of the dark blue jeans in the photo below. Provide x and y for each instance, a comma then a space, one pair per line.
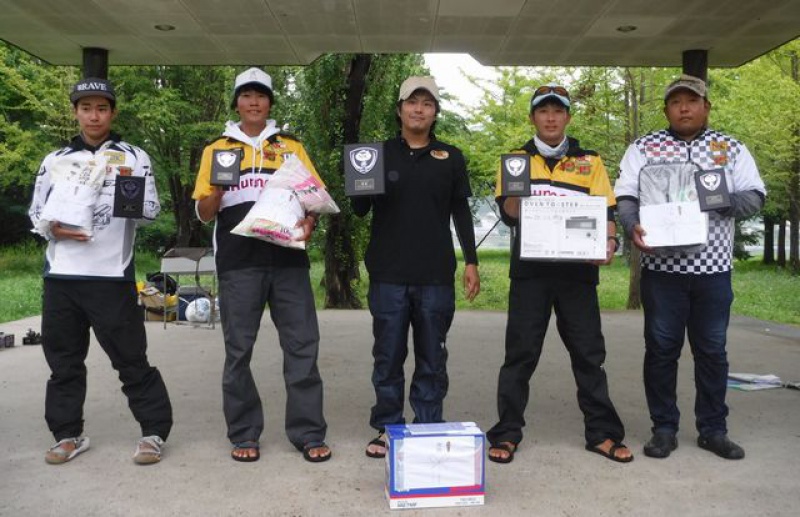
429, 310
674, 305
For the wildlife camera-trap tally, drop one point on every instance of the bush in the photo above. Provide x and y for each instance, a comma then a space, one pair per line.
157, 237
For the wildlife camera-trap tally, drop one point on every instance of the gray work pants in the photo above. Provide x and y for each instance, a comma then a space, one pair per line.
243, 295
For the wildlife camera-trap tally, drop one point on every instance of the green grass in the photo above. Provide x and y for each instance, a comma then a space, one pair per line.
762, 292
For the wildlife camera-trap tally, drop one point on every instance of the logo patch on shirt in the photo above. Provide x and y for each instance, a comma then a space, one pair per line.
717, 145
721, 159
440, 154
115, 158
125, 171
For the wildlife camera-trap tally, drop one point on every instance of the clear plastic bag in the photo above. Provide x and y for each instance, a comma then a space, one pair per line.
313, 197
273, 218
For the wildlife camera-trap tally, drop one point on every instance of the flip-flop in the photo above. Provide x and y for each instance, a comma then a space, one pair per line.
57, 454
611, 452
509, 447
241, 446
316, 445
380, 442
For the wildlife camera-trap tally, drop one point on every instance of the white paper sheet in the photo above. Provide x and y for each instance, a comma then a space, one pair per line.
674, 224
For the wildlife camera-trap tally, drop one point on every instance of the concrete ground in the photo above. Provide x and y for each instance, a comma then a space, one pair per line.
552, 475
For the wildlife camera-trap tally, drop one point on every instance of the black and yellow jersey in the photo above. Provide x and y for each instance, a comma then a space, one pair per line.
261, 157
579, 173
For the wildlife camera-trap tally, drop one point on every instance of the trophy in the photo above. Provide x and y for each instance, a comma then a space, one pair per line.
712, 190
225, 167
515, 175
363, 169
129, 197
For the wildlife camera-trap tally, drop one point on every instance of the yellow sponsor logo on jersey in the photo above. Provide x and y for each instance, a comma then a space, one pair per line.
115, 158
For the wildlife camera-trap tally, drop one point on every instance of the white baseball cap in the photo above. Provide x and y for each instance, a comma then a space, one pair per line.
418, 82
252, 76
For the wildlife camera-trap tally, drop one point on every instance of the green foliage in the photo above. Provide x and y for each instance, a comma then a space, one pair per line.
315, 109
761, 292
172, 112
36, 113
759, 103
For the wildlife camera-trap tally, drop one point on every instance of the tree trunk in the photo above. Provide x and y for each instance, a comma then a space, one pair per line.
341, 266
769, 240
782, 243
794, 188
637, 98
188, 229
634, 289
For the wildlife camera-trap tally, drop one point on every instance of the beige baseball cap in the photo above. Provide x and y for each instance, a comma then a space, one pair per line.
418, 82
687, 82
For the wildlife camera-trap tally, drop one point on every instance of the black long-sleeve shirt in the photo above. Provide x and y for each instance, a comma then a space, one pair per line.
410, 240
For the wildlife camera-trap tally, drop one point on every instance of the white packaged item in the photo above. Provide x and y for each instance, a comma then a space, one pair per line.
273, 218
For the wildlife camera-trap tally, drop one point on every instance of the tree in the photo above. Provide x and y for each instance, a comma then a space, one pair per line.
172, 112
760, 104
35, 118
339, 99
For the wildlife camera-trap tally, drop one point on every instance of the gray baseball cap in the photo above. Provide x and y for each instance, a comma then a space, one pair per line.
686, 82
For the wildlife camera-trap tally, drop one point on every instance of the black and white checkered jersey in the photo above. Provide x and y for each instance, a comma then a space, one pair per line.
709, 150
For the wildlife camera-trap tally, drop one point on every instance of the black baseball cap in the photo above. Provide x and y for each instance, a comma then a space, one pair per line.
93, 86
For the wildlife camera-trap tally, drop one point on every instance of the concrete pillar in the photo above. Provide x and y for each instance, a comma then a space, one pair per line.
95, 62
695, 62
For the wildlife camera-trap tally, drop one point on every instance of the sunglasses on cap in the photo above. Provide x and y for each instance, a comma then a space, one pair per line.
547, 91
558, 90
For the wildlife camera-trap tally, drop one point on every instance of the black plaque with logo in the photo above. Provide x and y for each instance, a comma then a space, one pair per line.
712, 190
225, 165
364, 169
515, 175
129, 197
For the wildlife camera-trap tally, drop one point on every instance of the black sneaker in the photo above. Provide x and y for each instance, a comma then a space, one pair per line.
661, 444
721, 445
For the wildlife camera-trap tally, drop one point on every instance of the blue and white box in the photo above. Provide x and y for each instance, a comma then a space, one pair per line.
431, 465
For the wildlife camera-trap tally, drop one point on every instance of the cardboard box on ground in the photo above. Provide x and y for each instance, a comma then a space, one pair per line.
432, 465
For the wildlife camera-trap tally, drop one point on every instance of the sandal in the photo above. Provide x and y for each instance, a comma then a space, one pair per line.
240, 447
612, 451
319, 458
509, 447
60, 453
148, 450
380, 441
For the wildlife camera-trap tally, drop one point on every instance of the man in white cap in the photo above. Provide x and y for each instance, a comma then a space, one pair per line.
559, 166
89, 280
253, 273
411, 261
688, 290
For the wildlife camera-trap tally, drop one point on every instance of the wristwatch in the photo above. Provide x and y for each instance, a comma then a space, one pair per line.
616, 242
